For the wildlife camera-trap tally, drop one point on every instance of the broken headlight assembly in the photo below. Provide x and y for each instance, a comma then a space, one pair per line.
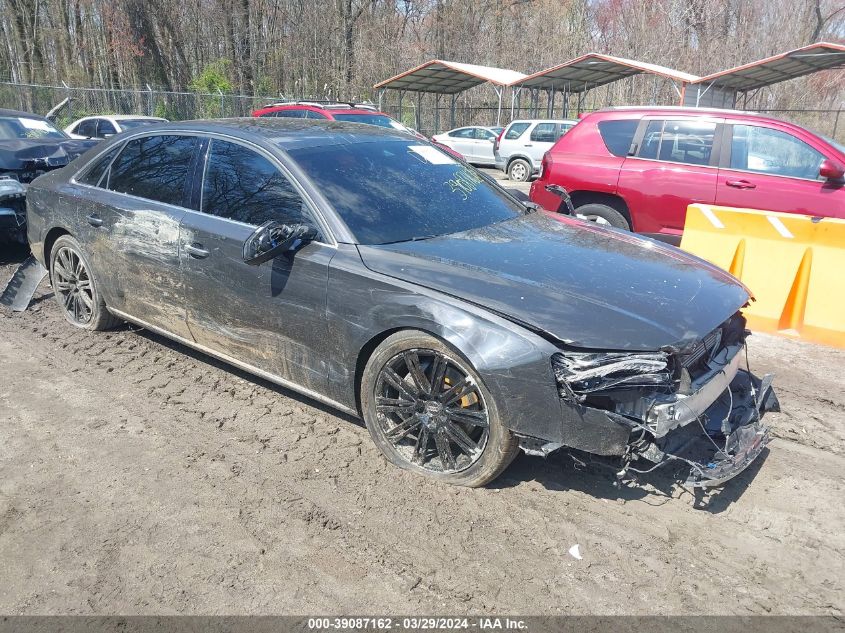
673, 401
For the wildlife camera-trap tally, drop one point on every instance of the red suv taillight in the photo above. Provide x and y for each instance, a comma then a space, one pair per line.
496, 142
545, 165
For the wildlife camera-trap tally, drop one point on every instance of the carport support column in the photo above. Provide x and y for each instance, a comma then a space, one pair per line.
498, 90
437, 113
418, 113
401, 94
452, 111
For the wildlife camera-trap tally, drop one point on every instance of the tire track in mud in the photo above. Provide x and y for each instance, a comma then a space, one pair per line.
308, 490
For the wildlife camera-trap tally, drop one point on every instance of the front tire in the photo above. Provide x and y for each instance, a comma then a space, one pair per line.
429, 412
75, 287
519, 170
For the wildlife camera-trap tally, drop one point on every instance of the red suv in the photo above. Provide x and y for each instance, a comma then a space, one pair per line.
352, 112
340, 111
639, 168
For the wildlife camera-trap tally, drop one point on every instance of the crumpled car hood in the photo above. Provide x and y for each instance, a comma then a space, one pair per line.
584, 285
19, 154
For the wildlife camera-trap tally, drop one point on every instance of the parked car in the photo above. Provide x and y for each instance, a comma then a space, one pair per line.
519, 149
639, 168
474, 143
374, 273
104, 126
30, 145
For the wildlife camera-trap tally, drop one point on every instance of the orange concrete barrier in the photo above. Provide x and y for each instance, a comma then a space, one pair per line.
794, 265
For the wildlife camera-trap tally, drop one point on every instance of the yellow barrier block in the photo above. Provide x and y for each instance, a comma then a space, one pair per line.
794, 265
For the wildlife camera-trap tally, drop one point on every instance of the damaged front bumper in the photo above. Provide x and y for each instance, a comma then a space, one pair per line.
693, 406
724, 440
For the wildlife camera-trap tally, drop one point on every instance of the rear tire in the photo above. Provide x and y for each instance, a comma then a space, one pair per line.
451, 432
75, 287
604, 215
519, 170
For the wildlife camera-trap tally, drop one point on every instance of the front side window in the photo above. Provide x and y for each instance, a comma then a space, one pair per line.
544, 133
312, 114
769, 151
516, 130
88, 128
105, 127
689, 142
618, 135
484, 135
154, 167
393, 190
242, 185
95, 172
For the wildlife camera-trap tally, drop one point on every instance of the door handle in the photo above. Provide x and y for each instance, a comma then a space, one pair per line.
94, 220
195, 250
740, 184
529, 145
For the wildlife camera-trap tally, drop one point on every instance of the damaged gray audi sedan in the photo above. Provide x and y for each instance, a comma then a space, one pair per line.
372, 272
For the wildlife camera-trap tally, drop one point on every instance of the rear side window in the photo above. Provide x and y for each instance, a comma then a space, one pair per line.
242, 185
154, 167
311, 114
516, 130
466, 132
768, 151
689, 142
618, 135
291, 114
544, 133
95, 173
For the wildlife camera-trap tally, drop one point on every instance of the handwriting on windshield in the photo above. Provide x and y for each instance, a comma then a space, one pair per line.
464, 182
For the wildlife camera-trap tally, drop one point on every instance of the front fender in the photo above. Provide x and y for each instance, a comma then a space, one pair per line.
513, 362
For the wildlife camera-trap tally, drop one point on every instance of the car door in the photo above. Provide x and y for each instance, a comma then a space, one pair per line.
462, 141
130, 228
675, 163
271, 317
771, 169
484, 140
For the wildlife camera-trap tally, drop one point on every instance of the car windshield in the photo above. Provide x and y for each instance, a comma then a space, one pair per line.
20, 127
370, 119
396, 190
129, 124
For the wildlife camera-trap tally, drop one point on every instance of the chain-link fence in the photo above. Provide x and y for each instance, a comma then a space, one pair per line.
175, 106
435, 115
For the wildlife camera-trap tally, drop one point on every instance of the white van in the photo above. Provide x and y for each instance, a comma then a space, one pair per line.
519, 149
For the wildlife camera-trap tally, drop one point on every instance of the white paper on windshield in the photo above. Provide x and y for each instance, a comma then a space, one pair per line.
35, 124
432, 155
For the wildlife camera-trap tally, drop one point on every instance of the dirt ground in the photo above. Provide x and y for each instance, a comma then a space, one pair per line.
138, 477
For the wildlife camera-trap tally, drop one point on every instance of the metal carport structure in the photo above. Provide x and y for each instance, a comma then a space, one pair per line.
589, 71
722, 88
451, 78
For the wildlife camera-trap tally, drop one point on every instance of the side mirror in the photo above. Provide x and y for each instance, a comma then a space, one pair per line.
272, 238
831, 170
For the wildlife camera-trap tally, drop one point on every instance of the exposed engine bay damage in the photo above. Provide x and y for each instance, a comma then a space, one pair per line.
693, 405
